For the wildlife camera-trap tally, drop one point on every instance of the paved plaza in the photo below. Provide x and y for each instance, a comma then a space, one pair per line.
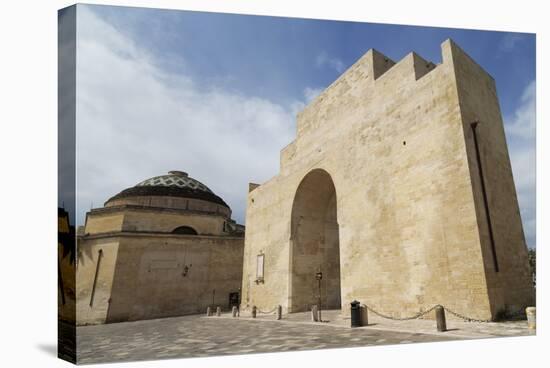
199, 336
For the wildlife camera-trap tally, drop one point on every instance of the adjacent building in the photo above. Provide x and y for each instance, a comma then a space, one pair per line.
164, 247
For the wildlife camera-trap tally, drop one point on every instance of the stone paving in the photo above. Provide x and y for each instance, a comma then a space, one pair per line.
199, 336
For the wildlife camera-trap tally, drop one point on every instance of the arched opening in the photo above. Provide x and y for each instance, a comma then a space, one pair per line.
314, 244
185, 230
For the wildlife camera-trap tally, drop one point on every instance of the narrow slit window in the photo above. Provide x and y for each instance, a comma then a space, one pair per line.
484, 194
99, 256
260, 267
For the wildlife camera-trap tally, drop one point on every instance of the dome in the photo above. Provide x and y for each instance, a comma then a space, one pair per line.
174, 184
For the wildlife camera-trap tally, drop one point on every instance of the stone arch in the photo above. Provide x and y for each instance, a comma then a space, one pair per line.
314, 244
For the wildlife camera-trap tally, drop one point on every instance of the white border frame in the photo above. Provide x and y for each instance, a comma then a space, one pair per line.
29, 148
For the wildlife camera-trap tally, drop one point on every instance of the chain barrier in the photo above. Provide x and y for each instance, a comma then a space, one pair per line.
420, 314
465, 318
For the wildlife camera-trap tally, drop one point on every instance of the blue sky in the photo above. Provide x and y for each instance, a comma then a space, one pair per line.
206, 68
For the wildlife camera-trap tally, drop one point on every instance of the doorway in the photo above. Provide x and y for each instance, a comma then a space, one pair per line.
315, 244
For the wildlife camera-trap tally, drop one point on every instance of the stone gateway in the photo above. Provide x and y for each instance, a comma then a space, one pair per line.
398, 189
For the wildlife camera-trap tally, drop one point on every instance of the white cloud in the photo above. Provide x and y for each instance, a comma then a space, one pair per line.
509, 41
136, 120
521, 130
323, 60
523, 123
523, 166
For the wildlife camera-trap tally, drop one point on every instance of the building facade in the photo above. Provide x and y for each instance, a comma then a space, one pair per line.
398, 188
164, 247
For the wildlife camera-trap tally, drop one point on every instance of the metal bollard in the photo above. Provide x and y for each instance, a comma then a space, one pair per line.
208, 312
234, 311
531, 317
314, 313
279, 312
218, 311
440, 319
254, 311
364, 316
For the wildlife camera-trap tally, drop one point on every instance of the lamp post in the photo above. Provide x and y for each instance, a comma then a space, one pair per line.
319, 277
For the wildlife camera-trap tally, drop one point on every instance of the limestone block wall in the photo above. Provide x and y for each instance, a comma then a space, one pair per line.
92, 303
103, 222
167, 221
391, 137
134, 218
159, 275
510, 288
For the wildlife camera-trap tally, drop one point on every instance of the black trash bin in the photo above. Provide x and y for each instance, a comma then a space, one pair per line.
355, 314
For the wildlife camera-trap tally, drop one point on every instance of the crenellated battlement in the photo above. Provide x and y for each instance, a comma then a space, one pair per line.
377, 63
374, 73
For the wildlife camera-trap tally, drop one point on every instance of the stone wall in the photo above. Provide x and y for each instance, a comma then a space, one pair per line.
152, 219
93, 309
509, 287
144, 276
391, 137
104, 222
